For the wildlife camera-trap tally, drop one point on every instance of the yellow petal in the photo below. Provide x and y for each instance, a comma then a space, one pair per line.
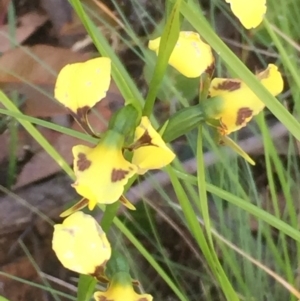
153, 152
272, 80
80, 244
239, 103
121, 291
250, 13
80, 86
101, 172
191, 56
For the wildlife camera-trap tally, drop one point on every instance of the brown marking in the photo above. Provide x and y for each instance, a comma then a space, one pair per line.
126, 202
123, 200
145, 139
80, 117
143, 299
242, 115
264, 74
118, 174
222, 129
82, 112
82, 162
210, 69
103, 298
99, 272
80, 205
229, 85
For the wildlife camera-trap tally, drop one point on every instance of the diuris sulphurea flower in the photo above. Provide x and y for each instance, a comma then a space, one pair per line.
190, 56
81, 245
102, 171
237, 102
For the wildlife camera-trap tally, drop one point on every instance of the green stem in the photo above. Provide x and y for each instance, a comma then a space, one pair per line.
182, 122
167, 43
217, 267
203, 204
109, 215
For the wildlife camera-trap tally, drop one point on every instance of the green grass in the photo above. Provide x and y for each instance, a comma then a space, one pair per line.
241, 240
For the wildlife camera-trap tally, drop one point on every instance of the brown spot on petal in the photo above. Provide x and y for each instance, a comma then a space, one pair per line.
80, 205
222, 129
264, 74
242, 115
82, 162
99, 272
142, 299
118, 174
229, 85
82, 112
81, 117
145, 139
103, 298
210, 69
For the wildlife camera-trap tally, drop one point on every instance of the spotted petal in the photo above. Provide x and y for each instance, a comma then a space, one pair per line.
239, 103
102, 171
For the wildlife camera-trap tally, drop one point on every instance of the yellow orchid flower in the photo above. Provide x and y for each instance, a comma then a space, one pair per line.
80, 86
191, 56
120, 289
102, 171
81, 245
151, 151
250, 13
238, 102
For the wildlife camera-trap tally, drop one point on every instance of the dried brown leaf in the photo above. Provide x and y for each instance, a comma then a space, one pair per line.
28, 24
